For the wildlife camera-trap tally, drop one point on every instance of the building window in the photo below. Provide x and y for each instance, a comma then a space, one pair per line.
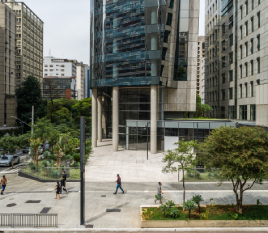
230, 93
223, 45
230, 76
252, 24
223, 62
241, 10
251, 89
241, 71
246, 48
259, 19
243, 112
241, 32
253, 112
50, 65
169, 19
223, 29
166, 35
241, 91
246, 27
252, 47
231, 22
223, 94
231, 58
171, 5
246, 67
241, 51
259, 42
223, 78
246, 6
252, 4
232, 112
246, 90
252, 67
259, 65
231, 41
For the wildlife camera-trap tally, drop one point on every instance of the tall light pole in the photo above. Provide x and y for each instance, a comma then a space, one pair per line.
32, 120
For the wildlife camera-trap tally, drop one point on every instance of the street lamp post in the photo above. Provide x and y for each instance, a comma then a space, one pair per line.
147, 141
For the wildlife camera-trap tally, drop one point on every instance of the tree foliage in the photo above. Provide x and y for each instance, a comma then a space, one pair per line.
30, 94
182, 158
239, 154
202, 110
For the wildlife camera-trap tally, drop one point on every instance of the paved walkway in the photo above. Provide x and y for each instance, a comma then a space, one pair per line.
132, 166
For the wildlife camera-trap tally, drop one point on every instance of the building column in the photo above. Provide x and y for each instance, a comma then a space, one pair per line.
94, 117
153, 119
99, 118
115, 117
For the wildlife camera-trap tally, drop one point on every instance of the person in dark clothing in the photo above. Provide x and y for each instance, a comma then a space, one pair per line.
63, 182
62, 185
119, 185
57, 188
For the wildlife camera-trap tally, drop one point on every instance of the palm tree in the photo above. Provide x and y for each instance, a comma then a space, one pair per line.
35, 143
61, 146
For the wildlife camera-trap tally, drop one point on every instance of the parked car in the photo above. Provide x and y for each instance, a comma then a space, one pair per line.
26, 150
6, 160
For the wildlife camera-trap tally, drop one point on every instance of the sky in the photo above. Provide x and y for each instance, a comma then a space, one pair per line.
66, 26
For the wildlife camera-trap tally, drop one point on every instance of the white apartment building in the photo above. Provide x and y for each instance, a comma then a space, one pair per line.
200, 55
59, 67
203, 81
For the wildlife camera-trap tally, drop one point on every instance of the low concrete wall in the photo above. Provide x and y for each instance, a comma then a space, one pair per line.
26, 175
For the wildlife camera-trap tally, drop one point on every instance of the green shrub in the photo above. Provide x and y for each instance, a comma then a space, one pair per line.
164, 209
46, 164
46, 155
170, 204
196, 174
189, 174
174, 212
189, 205
197, 199
76, 157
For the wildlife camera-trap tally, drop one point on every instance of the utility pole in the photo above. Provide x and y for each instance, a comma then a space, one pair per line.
32, 120
82, 170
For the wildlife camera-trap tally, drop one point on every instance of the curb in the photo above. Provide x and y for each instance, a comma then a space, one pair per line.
135, 230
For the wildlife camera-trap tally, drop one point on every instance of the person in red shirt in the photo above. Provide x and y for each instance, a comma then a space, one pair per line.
119, 185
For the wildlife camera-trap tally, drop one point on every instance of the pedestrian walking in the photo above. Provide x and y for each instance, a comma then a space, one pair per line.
119, 184
3, 184
159, 193
57, 188
64, 176
62, 185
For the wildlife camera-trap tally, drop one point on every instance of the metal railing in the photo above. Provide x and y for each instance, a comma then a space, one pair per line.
28, 220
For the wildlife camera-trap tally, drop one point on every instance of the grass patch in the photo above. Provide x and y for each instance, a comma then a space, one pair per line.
218, 212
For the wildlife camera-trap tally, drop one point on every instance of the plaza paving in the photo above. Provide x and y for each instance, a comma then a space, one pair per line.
132, 166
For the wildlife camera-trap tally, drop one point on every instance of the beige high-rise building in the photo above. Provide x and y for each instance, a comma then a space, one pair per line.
7, 65
200, 55
29, 35
80, 80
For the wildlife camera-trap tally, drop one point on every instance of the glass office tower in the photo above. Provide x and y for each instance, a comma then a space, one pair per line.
143, 57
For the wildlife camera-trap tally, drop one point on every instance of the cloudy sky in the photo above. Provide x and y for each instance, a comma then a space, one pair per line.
66, 28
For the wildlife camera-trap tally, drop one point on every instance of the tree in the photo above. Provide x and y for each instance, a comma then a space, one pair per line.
239, 155
61, 147
30, 94
53, 93
189, 205
10, 144
35, 143
202, 110
182, 158
197, 199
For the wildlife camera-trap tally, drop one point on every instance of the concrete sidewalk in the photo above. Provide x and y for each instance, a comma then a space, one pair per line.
99, 197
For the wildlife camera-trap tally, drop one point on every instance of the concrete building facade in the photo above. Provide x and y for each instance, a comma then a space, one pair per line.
29, 46
8, 103
203, 81
81, 80
143, 67
200, 55
236, 71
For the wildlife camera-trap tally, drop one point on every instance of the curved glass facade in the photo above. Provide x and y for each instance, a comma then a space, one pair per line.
138, 42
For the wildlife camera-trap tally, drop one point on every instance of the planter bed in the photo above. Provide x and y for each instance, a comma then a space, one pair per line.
219, 216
